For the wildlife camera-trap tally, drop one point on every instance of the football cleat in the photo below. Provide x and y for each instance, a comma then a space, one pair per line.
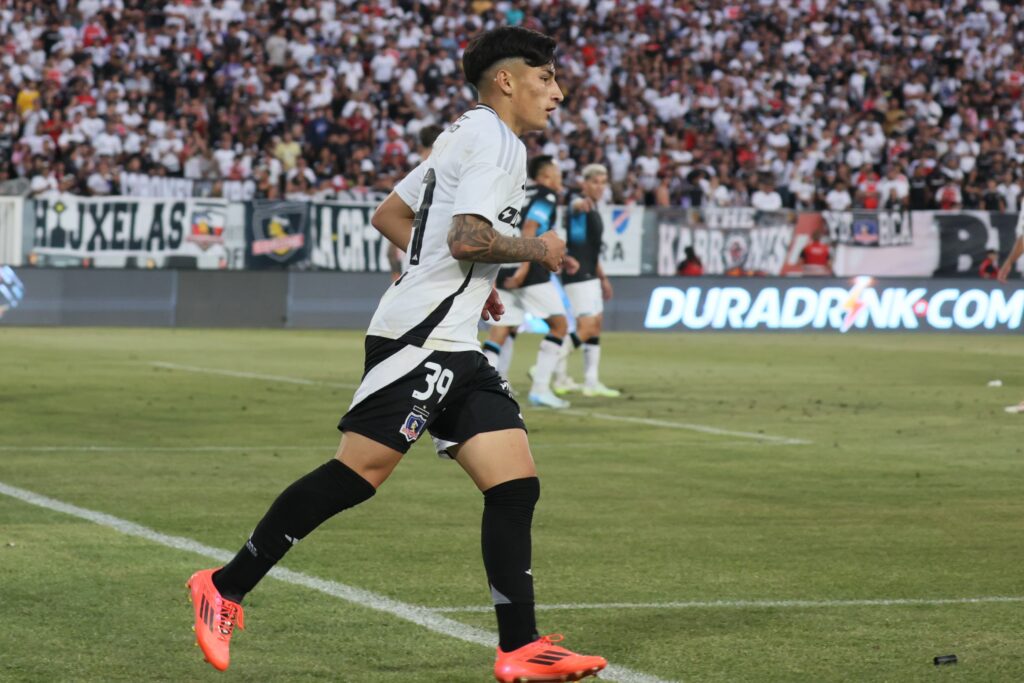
215, 618
565, 385
599, 389
542, 660
547, 400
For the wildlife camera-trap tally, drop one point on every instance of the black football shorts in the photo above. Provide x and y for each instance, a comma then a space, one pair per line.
407, 391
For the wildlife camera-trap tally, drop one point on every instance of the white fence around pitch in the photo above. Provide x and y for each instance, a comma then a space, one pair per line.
11, 230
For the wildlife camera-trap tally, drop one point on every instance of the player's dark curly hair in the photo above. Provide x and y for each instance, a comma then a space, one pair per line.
507, 42
537, 163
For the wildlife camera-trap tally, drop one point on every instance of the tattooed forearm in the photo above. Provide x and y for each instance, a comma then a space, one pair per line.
473, 239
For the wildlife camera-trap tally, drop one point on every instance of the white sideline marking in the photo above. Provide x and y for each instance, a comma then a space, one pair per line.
746, 604
421, 616
160, 449
250, 375
98, 448
704, 429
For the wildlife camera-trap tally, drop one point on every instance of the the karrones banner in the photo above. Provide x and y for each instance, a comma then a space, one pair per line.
728, 240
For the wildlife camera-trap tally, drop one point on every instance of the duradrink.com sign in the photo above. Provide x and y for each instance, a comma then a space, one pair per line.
863, 303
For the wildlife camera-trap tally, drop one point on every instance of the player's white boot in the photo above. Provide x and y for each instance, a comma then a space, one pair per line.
547, 400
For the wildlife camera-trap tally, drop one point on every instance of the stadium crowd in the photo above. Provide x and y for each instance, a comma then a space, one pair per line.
801, 103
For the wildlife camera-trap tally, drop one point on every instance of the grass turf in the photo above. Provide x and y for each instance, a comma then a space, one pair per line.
909, 489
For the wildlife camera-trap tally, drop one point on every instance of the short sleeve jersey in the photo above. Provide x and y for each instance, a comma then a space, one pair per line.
477, 166
584, 232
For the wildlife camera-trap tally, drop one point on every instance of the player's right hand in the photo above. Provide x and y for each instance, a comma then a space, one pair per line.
1004, 272
555, 253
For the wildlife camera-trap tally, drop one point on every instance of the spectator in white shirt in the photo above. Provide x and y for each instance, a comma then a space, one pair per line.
838, 198
108, 143
895, 189
766, 198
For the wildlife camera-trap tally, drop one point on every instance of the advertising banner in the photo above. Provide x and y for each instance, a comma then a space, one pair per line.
276, 233
966, 236
151, 186
861, 303
740, 241
623, 239
109, 230
884, 243
163, 187
342, 239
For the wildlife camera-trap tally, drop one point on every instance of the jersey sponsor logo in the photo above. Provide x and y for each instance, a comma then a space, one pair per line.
415, 421
509, 215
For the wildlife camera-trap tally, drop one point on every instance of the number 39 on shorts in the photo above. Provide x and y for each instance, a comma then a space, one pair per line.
439, 379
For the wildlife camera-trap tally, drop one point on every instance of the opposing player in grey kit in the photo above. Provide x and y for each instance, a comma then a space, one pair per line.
424, 372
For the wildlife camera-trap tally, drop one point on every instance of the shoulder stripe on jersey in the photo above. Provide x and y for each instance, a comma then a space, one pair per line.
389, 370
510, 152
504, 145
419, 333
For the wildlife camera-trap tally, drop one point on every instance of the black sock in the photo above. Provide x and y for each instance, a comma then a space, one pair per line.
512, 333
302, 507
593, 341
505, 538
576, 341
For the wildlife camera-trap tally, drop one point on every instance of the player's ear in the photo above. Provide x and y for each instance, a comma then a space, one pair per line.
504, 80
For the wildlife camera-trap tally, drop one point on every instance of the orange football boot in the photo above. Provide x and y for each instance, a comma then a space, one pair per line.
216, 618
542, 660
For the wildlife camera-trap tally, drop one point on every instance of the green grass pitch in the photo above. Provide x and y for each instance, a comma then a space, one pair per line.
910, 488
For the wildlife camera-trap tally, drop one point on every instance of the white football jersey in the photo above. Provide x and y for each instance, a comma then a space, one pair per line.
477, 166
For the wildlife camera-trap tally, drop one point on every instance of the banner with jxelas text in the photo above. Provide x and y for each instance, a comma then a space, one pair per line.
839, 305
110, 230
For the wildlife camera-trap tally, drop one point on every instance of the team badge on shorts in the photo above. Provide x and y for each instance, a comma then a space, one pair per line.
414, 424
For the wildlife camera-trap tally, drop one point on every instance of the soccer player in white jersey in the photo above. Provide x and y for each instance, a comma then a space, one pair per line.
424, 371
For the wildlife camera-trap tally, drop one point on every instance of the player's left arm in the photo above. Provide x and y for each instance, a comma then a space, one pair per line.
395, 215
393, 219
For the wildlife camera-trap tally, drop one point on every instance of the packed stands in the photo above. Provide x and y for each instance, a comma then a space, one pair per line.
807, 103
